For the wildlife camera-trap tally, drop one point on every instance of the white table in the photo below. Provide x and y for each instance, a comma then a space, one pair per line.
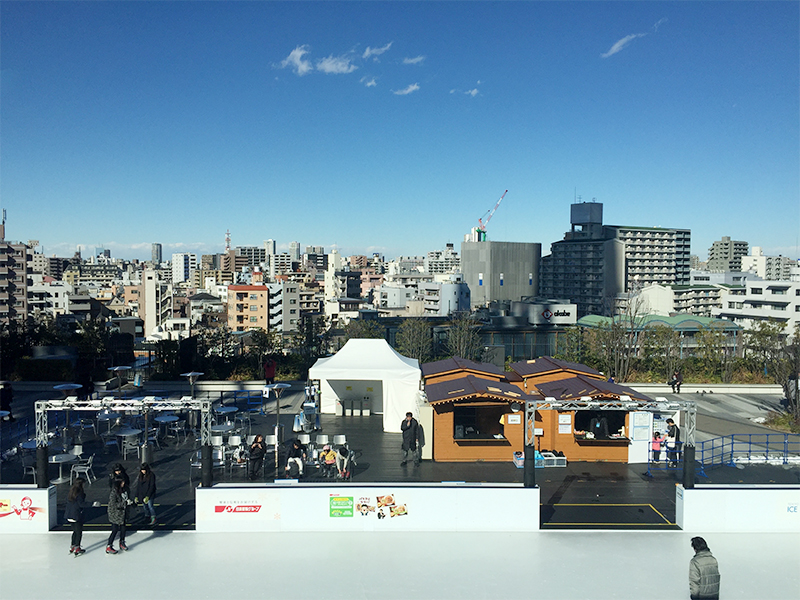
60, 459
165, 420
222, 428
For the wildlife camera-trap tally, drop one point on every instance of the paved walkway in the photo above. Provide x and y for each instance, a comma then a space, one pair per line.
549, 565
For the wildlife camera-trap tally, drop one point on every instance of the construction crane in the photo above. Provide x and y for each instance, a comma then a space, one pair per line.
481, 229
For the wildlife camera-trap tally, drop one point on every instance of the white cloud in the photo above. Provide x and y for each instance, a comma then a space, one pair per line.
659, 23
413, 61
473, 92
336, 65
368, 81
404, 92
622, 43
376, 51
296, 61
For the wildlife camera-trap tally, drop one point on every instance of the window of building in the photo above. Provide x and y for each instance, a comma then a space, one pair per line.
293, 321
293, 311
756, 290
292, 301
254, 319
253, 296
253, 307
477, 422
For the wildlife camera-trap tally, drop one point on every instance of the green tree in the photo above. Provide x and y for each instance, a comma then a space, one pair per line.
569, 344
463, 338
767, 344
414, 339
360, 328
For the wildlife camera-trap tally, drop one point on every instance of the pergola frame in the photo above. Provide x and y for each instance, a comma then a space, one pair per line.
624, 403
145, 405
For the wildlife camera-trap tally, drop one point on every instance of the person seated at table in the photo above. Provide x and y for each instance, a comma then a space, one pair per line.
257, 451
297, 455
342, 461
327, 461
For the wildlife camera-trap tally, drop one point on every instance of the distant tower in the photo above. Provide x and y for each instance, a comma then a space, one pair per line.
228, 240
294, 251
155, 254
270, 246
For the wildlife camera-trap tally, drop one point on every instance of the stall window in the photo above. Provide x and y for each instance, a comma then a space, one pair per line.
602, 423
481, 422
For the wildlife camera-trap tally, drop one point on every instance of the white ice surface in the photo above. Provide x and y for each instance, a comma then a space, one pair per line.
549, 565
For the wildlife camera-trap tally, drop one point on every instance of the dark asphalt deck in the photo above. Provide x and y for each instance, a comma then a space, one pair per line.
580, 495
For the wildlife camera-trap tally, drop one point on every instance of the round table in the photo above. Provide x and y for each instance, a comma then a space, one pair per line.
108, 416
128, 432
225, 410
60, 459
222, 428
165, 420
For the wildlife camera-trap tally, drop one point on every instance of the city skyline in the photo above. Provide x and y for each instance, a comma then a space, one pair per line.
392, 127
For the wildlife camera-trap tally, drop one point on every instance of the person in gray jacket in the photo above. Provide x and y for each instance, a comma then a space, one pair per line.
703, 572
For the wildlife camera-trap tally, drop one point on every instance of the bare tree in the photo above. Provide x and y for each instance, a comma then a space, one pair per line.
767, 343
662, 347
463, 339
414, 339
619, 341
714, 347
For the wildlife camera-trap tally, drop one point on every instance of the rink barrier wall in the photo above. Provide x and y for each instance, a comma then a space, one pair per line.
381, 507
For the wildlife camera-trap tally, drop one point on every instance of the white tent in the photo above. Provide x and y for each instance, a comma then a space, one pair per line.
372, 370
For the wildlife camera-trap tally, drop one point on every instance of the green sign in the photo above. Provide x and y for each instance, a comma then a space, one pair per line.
341, 506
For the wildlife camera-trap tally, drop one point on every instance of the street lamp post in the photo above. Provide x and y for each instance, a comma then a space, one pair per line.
205, 449
118, 373
278, 389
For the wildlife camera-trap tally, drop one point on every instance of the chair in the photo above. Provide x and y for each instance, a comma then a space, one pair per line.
28, 469
304, 438
234, 440
216, 441
217, 461
321, 440
85, 424
340, 440
178, 429
250, 440
130, 444
77, 450
152, 437
83, 468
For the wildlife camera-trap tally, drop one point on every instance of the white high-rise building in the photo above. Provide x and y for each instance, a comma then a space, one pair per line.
183, 266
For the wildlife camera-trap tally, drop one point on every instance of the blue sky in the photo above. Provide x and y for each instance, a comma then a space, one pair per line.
392, 127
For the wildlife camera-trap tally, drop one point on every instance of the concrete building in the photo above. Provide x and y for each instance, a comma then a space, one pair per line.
773, 268
14, 280
500, 270
155, 302
85, 274
698, 300
156, 253
254, 255
761, 301
284, 306
294, 251
248, 307
48, 298
443, 298
183, 264
726, 255
443, 261
595, 263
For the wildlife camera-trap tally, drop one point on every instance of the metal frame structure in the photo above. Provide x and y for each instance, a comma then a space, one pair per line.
144, 405
625, 403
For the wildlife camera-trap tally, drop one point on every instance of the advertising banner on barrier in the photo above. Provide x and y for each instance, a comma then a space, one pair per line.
27, 509
386, 507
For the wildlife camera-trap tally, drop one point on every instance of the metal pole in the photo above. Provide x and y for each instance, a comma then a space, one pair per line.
529, 467
688, 467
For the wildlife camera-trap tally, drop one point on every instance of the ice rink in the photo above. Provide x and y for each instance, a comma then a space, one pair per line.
558, 565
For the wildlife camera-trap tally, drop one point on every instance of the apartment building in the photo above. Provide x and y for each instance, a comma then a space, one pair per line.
443, 298
761, 301
595, 263
183, 265
83, 274
284, 306
248, 307
14, 280
698, 300
443, 261
773, 268
726, 255
156, 253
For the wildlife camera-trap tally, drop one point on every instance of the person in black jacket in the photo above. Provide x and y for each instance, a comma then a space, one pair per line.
146, 491
118, 502
6, 398
411, 438
673, 443
297, 455
119, 472
257, 451
76, 502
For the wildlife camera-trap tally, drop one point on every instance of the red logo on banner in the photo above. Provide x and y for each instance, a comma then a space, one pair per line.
254, 508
